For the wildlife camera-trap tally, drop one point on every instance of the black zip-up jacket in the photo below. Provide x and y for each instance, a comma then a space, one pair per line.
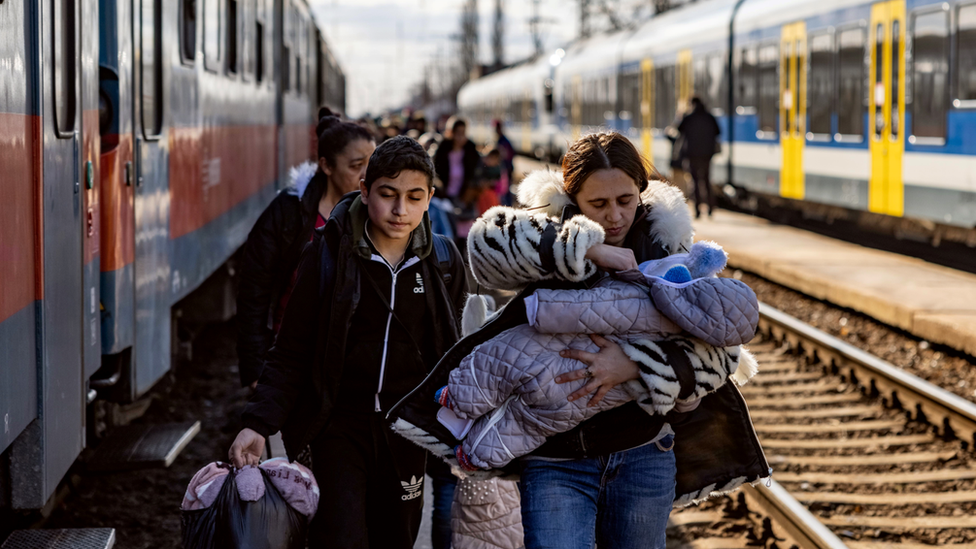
299, 385
699, 129
270, 257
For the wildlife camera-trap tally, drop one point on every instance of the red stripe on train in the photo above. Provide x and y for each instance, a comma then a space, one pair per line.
21, 247
214, 169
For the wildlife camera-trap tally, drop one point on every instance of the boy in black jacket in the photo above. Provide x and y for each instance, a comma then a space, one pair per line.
373, 309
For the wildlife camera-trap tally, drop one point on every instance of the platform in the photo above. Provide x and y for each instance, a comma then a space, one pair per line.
84, 538
930, 301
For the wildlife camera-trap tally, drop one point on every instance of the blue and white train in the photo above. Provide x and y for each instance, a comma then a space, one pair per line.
856, 105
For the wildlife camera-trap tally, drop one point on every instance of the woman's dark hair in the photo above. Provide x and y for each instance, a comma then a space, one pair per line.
396, 155
334, 134
604, 151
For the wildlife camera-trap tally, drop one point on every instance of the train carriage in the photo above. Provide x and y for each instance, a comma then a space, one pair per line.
139, 141
863, 107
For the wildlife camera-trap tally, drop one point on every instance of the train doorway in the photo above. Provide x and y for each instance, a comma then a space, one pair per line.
887, 108
793, 109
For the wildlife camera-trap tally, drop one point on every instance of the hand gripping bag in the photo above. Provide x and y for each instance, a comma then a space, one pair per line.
233, 523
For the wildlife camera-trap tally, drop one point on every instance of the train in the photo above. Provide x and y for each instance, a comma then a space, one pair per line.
853, 108
139, 142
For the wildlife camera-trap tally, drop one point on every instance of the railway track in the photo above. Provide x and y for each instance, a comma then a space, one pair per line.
864, 454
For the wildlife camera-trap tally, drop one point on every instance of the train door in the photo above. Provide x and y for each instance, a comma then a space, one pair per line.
887, 107
793, 109
154, 284
647, 107
61, 434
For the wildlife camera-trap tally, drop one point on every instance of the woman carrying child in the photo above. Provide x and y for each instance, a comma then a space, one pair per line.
611, 481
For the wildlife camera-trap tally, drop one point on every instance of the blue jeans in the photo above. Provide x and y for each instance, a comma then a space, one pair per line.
443, 485
617, 501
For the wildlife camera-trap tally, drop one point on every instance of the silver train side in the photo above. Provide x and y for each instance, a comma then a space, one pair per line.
139, 141
852, 109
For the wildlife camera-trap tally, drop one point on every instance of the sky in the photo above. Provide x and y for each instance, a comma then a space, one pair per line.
384, 45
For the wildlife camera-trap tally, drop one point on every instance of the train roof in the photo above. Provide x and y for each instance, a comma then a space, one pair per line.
684, 28
519, 78
593, 53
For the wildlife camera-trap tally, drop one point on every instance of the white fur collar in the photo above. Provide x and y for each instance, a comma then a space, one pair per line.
669, 216
300, 176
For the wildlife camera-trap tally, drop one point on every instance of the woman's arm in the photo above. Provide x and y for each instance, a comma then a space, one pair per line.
509, 248
261, 255
678, 369
286, 370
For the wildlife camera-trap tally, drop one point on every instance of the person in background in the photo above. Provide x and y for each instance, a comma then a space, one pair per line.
274, 245
374, 308
700, 131
493, 183
507, 152
456, 163
679, 176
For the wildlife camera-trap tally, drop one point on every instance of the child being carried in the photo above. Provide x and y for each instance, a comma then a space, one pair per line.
502, 401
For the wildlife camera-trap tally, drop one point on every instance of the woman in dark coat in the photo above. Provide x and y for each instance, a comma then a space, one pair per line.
275, 244
612, 480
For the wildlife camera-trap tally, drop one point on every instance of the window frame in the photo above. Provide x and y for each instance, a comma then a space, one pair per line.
231, 38
213, 64
955, 71
831, 34
72, 103
774, 133
912, 79
155, 133
184, 60
861, 27
741, 109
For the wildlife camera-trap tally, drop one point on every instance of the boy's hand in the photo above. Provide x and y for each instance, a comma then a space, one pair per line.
247, 448
613, 258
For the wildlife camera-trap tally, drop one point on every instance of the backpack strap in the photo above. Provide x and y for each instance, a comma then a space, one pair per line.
445, 259
327, 266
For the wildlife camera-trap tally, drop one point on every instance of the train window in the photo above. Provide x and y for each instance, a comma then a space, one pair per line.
930, 80
966, 56
821, 83
211, 34
718, 85
630, 99
152, 67
188, 31
850, 89
702, 79
259, 52
665, 100
231, 36
548, 94
768, 88
747, 84
65, 94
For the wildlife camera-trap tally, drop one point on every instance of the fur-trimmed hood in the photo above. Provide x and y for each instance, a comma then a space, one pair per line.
299, 177
665, 205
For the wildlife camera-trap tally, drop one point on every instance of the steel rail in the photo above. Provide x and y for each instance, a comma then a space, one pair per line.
805, 529
954, 414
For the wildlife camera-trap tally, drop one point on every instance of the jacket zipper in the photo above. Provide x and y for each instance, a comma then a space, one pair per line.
389, 319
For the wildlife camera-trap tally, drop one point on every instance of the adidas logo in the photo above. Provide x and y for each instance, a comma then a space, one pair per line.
412, 488
420, 285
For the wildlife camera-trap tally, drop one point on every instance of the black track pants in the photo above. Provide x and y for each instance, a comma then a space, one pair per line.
371, 482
